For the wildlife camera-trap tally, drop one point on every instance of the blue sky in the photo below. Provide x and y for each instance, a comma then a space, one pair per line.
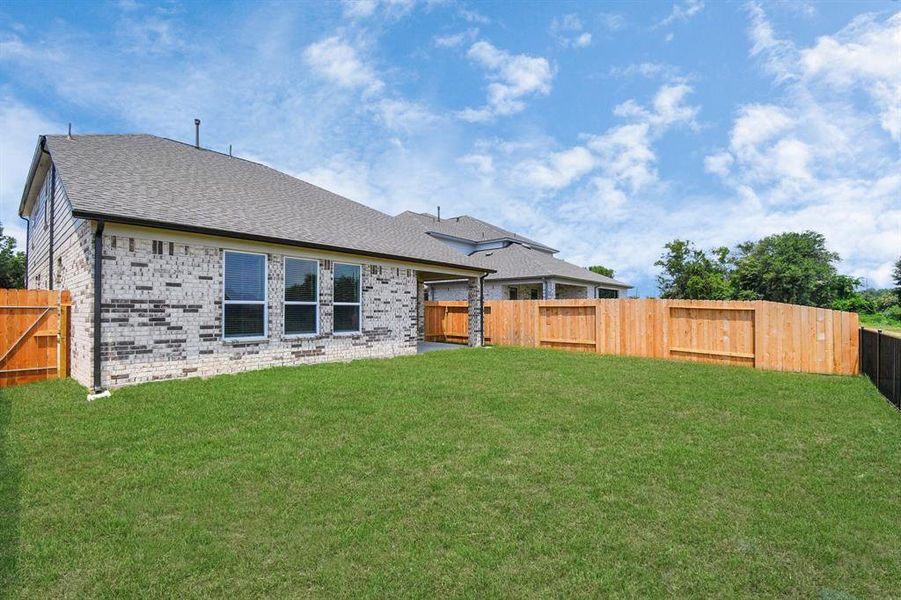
602, 129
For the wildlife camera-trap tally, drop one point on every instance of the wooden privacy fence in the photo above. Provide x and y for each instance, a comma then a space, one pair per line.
765, 335
447, 321
34, 335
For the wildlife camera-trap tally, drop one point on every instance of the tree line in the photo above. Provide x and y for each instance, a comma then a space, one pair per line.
795, 268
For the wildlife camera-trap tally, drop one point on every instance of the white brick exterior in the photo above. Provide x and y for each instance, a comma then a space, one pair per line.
162, 315
73, 257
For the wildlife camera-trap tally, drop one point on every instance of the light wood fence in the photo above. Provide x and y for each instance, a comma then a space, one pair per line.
447, 321
765, 335
34, 335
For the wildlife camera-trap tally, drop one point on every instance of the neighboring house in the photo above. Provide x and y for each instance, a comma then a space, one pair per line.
183, 261
524, 269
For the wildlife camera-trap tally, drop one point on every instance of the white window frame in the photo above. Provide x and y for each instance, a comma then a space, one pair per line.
264, 302
359, 304
299, 302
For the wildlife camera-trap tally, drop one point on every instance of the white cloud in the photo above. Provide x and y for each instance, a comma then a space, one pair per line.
830, 166
339, 62
816, 158
483, 163
151, 35
623, 155
559, 169
719, 163
757, 123
668, 107
866, 55
21, 126
403, 115
780, 56
651, 70
362, 9
454, 40
358, 9
568, 32
474, 16
513, 77
682, 12
611, 21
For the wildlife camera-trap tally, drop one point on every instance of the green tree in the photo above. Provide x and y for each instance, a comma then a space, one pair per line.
896, 276
790, 267
602, 270
690, 273
12, 263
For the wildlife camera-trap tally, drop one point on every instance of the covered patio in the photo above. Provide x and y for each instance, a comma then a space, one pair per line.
469, 310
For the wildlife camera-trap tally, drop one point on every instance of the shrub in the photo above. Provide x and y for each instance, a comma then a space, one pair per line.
855, 303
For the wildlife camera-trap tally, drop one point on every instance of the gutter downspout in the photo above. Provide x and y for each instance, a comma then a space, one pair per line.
98, 391
52, 218
27, 245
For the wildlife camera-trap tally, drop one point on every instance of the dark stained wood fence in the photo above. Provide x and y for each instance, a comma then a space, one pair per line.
880, 360
34, 335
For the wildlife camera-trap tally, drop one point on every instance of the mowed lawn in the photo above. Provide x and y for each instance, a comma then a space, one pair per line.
482, 473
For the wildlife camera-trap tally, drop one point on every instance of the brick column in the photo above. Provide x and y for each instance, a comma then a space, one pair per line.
475, 312
550, 290
420, 311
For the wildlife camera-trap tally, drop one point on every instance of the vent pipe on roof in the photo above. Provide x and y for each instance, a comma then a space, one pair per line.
229, 150
197, 133
69, 135
439, 214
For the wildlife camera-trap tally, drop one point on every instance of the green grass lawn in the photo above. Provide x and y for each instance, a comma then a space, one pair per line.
491, 472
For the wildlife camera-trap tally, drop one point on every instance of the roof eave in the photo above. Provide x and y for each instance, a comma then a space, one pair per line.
124, 220
534, 245
617, 285
39, 150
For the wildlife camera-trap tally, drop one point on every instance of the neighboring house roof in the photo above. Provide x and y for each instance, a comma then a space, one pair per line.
465, 227
153, 181
518, 262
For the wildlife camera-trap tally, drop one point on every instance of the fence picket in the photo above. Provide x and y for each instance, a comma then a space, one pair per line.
765, 335
34, 339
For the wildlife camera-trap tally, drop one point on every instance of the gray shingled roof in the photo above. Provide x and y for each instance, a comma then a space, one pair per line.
518, 262
464, 227
144, 178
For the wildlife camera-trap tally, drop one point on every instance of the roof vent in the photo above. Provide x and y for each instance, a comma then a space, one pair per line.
197, 133
69, 135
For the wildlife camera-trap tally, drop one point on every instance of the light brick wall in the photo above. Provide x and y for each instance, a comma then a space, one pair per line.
571, 292
493, 291
162, 315
73, 258
474, 295
448, 291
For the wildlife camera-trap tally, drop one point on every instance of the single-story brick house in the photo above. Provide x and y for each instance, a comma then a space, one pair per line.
183, 261
523, 268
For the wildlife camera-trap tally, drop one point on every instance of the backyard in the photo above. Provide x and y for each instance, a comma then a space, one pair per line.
497, 472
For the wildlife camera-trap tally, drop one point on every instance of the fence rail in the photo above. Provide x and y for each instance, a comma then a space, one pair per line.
34, 335
764, 335
880, 360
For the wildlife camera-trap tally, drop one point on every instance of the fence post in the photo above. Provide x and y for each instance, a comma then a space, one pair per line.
878, 348
895, 375
860, 348
63, 362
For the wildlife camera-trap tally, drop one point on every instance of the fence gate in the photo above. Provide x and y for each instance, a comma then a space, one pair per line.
34, 335
447, 321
